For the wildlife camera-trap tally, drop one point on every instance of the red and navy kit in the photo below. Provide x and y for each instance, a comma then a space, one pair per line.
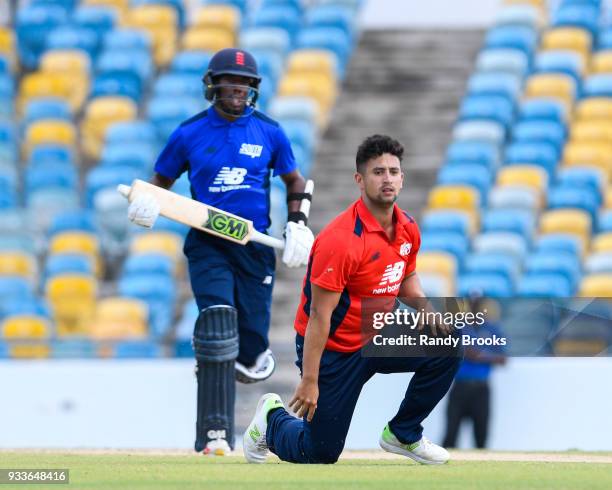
354, 255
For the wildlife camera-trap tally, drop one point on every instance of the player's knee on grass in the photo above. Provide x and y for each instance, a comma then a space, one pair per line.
324, 453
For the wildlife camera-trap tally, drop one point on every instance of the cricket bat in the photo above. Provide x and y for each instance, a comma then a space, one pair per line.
204, 217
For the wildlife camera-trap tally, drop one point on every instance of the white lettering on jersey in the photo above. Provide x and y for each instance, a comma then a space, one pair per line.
390, 279
252, 151
229, 179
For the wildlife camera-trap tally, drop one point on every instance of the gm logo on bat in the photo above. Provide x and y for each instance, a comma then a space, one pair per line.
226, 225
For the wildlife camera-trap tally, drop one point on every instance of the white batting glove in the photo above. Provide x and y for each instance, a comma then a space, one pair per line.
298, 242
144, 210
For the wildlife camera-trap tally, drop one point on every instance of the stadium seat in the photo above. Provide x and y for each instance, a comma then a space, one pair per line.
494, 85
488, 108
546, 285
515, 197
598, 263
539, 131
543, 109
602, 242
124, 62
99, 19
320, 87
64, 263
117, 84
296, 108
485, 284
166, 114
471, 175
148, 263
481, 131
473, 152
596, 286
598, 155
173, 85
519, 15
79, 242
72, 300
583, 16
32, 26
138, 350
191, 62
524, 175
332, 39
105, 176
49, 131
265, 39
140, 157
448, 220
442, 263
131, 132
564, 62
544, 155
213, 16
516, 221
177, 5
128, 40
604, 220
73, 61
567, 38
586, 177
500, 242
26, 327
161, 22
436, 285
41, 176
168, 244
72, 349
18, 264
598, 85
512, 37
504, 265
453, 197
282, 16
512, 61
554, 243
207, 39
569, 196
592, 132
455, 243
552, 85
73, 37
566, 264
37, 84
312, 61
120, 318
80, 220
601, 61
594, 109
45, 108
573, 221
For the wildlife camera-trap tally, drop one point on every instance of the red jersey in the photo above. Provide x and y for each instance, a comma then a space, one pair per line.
354, 255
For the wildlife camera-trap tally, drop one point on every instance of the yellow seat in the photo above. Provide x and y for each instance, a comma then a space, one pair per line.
7, 45
528, 175
207, 39
120, 318
79, 242
318, 86
163, 242
66, 60
72, 298
601, 62
594, 109
39, 84
596, 286
17, 264
572, 221
602, 242
161, 23
437, 263
595, 154
26, 327
224, 17
608, 198
579, 347
568, 38
101, 113
312, 61
53, 131
454, 197
121, 6
553, 85
588, 131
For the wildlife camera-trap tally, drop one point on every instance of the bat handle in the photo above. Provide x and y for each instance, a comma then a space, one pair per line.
305, 204
124, 190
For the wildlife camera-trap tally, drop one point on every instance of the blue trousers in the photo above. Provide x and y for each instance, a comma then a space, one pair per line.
242, 276
341, 377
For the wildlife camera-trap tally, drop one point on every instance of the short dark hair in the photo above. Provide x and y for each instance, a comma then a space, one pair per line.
374, 146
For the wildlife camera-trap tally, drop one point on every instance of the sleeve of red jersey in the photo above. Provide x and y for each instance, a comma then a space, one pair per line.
414, 250
333, 261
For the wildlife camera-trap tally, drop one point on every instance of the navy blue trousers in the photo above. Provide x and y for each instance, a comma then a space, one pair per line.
242, 276
341, 377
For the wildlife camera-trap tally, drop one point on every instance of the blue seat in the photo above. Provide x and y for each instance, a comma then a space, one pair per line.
164, 224
474, 152
46, 108
149, 263
135, 61
59, 175
272, 39
159, 292
569, 196
15, 290
128, 39
331, 38
456, 244
560, 61
537, 131
167, 114
177, 5
583, 177
495, 84
51, 154
558, 242
99, 19
138, 350
79, 220
293, 108
5, 65
336, 16
485, 284
542, 109
193, 62
597, 263
505, 266
73, 37
270, 65
138, 156
514, 197
294, 4
604, 221
280, 16
518, 15
68, 263
108, 176
519, 221
33, 25
497, 109
544, 286
73, 349
476, 176
446, 221
604, 40
583, 15
121, 84
501, 242
566, 264
241, 5
67, 5
25, 306
131, 132
301, 133
512, 37
177, 84
599, 85
543, 154
7, 87
481, 130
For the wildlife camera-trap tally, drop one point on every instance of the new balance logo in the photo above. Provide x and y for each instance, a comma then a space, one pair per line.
254, 434
230, 176
251, 150
393, 273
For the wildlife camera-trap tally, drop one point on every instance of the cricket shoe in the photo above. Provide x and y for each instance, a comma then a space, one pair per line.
254, 440
423, 451
217, 447
262, 369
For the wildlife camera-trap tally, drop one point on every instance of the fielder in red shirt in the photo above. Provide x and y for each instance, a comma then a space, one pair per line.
368, 251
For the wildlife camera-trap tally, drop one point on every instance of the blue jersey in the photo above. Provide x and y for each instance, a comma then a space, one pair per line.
229, 163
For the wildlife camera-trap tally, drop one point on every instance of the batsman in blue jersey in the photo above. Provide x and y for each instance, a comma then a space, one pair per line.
230, 151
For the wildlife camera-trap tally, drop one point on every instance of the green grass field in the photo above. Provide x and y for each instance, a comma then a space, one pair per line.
106, 471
